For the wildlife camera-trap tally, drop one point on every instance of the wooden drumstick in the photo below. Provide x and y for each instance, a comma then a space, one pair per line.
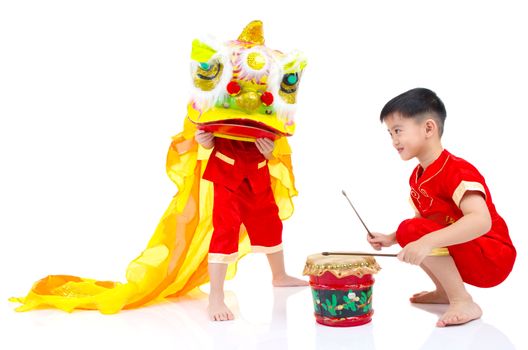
434, 252
358, 254
355, 211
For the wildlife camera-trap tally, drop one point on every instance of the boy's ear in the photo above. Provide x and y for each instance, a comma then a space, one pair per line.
430, 127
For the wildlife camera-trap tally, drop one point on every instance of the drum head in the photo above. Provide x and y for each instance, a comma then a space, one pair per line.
340, 265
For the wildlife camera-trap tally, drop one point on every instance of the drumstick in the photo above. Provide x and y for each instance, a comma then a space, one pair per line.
365, 226
434, 252
358, 253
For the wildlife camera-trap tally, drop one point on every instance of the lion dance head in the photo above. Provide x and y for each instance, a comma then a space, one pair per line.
243, 89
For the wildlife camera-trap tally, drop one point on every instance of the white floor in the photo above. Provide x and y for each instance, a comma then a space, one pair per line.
91, 94
276, 318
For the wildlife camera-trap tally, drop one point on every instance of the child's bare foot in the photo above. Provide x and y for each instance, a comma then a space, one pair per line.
434, 297
288, 281
218, 310
460, 313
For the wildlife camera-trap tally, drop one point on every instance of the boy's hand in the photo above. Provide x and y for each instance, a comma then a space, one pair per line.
266, 147
206, 139
380, 240
415, 252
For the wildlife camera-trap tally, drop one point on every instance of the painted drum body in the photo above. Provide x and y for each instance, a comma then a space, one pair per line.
341, 288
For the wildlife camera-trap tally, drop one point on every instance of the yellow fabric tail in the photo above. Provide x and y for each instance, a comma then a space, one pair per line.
175, 259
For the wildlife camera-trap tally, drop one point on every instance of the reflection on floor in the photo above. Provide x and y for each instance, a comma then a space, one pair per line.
274, 318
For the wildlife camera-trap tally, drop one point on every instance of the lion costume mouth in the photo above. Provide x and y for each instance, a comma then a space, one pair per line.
239, 125
241, 129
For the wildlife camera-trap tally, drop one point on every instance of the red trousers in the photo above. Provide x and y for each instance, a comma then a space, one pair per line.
482, 262
257, 211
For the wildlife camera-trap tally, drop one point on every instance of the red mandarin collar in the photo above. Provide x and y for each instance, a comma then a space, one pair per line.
433, 168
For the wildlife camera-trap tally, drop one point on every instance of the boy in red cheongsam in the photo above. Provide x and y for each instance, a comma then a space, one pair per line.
454, 209
242, 195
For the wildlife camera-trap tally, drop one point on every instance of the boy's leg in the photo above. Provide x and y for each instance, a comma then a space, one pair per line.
218, 310
462, 308
261, 218
409, 231
280, 277
437, 296
222, 249
444, 274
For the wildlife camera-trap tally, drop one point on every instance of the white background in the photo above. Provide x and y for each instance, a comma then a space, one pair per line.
92, 91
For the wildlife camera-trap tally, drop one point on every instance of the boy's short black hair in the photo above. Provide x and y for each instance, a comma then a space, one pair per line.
416, 103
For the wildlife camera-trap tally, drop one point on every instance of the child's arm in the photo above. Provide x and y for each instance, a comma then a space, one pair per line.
475, 222
206, 139
266, 147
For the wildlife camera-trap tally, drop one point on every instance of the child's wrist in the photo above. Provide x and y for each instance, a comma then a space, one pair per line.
269, 156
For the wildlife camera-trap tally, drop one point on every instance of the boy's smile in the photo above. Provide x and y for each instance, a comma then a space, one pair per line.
414, 137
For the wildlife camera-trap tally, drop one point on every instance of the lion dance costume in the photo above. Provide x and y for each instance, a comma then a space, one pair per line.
242, 90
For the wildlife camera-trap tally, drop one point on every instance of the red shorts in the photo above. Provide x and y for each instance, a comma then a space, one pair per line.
482, 262
257, 211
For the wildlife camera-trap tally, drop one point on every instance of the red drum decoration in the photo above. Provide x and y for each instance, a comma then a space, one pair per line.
341, 288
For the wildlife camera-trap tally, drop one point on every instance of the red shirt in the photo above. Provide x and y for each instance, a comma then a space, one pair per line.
232, 161
436, 194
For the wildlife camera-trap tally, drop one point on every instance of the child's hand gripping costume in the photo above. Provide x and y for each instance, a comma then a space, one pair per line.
242, 91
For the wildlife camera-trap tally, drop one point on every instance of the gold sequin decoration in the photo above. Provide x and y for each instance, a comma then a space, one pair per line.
256, 60
289, 98
207, 80
248, 101
253, 33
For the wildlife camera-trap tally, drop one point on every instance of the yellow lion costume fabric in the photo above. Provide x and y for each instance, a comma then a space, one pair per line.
175, 259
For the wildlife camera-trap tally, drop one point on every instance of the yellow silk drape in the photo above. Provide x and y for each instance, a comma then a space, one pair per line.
175, 259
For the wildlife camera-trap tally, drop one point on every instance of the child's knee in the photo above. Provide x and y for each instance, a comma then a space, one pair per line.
404, 233
411, 230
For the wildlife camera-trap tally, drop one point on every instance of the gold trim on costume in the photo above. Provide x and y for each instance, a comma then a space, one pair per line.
438, 172
439, 252
236, 138
225, 158
218, 258
420, 191
261, 164
467, 186
266, 250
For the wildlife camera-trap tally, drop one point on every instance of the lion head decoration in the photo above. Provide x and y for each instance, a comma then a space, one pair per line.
242, 89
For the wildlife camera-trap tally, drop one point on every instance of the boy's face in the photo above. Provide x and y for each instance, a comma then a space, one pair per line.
408, 135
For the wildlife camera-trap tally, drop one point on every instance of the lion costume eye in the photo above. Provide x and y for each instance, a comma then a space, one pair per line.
288, 87
207, 75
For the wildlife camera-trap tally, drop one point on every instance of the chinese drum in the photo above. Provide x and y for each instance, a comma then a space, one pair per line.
341, 288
